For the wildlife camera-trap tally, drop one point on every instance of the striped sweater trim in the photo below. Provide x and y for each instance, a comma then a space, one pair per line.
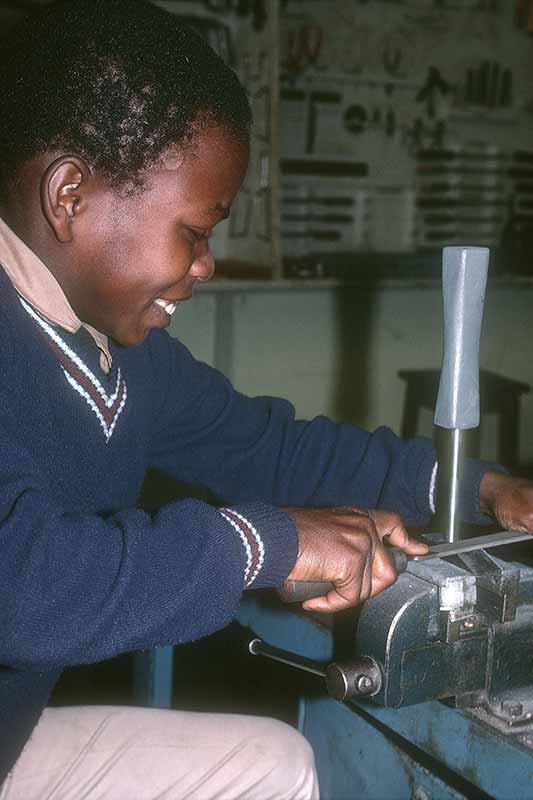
82, 379
251, 541
433, 488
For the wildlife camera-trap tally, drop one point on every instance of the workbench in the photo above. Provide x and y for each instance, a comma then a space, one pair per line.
430, 751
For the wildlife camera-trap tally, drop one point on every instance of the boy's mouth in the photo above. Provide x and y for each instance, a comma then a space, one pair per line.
166, 305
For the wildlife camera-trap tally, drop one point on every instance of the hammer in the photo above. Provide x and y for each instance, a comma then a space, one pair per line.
464, 280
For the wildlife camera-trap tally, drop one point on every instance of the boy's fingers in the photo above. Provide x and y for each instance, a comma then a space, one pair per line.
383, 571
347, 593
413, 547
366, 583
389, 525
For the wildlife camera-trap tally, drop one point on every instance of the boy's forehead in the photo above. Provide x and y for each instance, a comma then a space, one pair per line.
200, 184
215, 159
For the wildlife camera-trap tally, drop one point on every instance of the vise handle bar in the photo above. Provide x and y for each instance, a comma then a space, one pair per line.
356, 679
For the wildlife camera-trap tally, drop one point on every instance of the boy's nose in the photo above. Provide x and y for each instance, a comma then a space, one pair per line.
203, 267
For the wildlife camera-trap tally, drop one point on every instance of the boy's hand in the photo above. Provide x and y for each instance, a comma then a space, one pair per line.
344, 545
508, 499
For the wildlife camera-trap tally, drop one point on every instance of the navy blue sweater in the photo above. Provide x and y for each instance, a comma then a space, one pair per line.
84, 573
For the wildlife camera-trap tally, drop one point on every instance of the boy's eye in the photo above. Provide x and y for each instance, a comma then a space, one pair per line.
198, 235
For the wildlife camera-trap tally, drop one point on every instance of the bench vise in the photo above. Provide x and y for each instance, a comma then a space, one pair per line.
461, 630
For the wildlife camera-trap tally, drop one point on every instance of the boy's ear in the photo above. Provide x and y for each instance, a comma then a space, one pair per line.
62, 189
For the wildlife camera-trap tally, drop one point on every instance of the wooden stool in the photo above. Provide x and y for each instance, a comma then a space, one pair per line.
498, 395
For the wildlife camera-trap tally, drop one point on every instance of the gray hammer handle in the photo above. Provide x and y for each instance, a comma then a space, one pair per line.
464, 279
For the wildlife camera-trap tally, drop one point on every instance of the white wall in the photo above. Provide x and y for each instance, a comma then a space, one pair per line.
337, 351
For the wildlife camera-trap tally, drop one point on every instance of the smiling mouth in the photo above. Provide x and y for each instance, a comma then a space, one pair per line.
166, 305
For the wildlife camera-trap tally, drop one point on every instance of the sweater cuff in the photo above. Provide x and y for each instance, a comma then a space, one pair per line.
426, 485
269, 541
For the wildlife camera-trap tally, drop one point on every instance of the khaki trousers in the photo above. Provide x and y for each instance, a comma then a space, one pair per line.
121, 753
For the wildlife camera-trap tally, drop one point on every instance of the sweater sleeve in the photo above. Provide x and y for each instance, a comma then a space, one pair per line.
77, 588
245, 448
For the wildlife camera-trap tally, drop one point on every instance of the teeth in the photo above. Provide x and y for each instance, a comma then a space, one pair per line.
168, 307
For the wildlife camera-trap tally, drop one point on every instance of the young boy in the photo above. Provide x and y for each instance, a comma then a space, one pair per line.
124, 141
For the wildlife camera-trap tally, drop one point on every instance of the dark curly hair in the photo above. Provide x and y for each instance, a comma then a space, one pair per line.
115, 81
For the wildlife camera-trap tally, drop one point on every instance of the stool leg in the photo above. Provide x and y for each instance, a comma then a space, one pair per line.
153, 677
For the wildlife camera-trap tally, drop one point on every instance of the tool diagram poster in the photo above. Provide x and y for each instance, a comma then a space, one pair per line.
431, 98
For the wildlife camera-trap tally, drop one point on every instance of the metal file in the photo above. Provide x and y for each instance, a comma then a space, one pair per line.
475, 543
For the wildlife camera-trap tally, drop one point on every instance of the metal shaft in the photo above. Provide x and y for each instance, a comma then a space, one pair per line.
259, 648
454, 487
361, 677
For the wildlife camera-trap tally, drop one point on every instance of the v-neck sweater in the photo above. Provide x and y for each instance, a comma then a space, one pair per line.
85, 574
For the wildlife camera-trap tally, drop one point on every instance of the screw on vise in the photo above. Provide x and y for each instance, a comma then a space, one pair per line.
359, 678
356, 679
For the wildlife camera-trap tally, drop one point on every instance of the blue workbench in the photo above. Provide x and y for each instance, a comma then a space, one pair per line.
430, 751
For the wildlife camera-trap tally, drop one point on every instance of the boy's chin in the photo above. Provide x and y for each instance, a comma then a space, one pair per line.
129, 338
